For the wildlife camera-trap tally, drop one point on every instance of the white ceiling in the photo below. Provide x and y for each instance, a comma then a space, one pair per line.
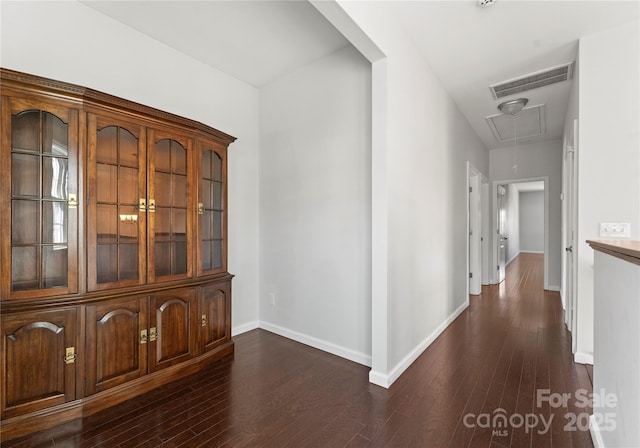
254, 41
468, 47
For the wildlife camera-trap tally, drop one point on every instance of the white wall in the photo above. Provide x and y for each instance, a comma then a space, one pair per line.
531, 221
608, 155
421, 144
538, 160
616, 367
429, 144
315, 205
70, 42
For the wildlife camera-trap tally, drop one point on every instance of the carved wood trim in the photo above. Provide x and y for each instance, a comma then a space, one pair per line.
21, 305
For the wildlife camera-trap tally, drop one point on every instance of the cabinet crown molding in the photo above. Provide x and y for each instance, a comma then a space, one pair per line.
24, 82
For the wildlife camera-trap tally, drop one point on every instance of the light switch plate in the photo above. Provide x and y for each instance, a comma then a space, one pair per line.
615, 230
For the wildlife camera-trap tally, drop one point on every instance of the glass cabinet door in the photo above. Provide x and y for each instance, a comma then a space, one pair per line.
212, 198
39, 252
117, 203
169, 205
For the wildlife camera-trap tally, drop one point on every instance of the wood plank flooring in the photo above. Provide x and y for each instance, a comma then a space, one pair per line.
274, 392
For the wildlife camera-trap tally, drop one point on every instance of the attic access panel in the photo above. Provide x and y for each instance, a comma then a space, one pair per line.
531, 122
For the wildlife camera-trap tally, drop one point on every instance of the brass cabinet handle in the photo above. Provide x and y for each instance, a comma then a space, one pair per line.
153, 334
143, 336
152, 205
204, 320
142, 205
70, 355
73, 200
200, 208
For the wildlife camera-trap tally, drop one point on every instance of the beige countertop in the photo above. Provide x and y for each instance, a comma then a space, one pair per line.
628, 250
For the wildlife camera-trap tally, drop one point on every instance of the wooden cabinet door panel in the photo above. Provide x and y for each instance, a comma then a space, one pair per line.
174, 321
211, 188
170, 191
40, 196
117, 353
117, 223
215, 309
34, 372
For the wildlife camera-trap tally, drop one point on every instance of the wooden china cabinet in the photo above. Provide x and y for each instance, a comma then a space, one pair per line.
113, 250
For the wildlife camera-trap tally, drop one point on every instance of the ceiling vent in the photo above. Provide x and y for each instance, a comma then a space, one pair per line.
542, 78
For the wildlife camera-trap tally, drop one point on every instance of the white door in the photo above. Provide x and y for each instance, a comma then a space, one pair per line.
501, 231
475, 233
570, 229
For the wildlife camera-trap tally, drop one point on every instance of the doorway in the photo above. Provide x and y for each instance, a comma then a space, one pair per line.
521, 222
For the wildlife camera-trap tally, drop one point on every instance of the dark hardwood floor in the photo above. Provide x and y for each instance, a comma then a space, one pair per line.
508, 344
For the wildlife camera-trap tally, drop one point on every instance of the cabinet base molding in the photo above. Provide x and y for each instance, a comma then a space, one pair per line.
56, 415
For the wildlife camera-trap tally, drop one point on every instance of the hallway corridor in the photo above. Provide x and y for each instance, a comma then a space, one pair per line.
510, 343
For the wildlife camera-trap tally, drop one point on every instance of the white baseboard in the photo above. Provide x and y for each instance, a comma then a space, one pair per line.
343, 352
379, 379
239, 329
553, 288
523, 252
596, 435
387, 380
512, 258
583, 358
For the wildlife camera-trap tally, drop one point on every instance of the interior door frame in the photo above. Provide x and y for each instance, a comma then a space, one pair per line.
494, 222
486, 237
502, 201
